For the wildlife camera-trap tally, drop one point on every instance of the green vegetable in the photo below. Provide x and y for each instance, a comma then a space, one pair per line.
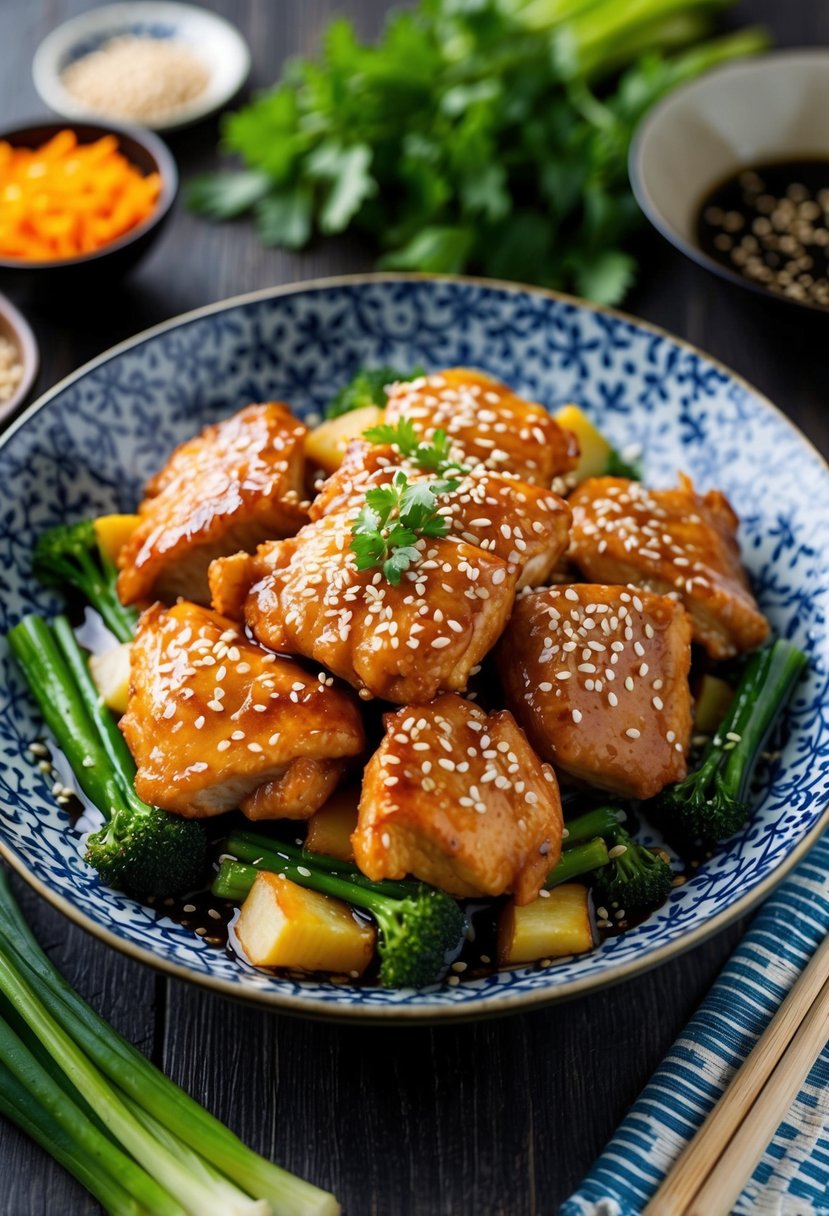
602, 821
578, 860
70, 554
141, 848
489, 136
433, 456
367, 388
394, 518
418, 930
712, 802
148, 1149
635, 877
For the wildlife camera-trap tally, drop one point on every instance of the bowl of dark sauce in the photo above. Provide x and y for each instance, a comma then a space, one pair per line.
733, 169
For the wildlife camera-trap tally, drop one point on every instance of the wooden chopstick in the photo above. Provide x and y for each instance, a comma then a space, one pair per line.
704, 1180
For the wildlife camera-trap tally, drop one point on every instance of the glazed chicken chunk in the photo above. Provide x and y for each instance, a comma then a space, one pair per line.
459, 799
215, 722
487, 422
403, 643
234, 485
527, 526
598, 678
674, 542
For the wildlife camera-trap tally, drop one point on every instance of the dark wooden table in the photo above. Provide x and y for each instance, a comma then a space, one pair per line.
496, 1118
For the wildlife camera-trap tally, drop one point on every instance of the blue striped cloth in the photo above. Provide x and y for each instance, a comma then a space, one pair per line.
793, 1177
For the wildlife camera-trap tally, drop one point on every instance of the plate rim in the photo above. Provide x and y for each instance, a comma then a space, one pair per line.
473, 1009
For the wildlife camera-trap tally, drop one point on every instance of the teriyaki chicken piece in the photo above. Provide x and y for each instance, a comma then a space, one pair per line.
215, 722
598, 678
234, 485
458, 798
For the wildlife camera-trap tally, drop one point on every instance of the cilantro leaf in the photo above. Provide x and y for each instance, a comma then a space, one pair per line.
488, 136
393, 518
223, 196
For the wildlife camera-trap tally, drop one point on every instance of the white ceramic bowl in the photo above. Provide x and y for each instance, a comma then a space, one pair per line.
218, 43
767, 109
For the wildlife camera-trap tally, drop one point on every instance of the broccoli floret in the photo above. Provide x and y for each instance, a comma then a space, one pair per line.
70, 553
150, 852
420, 927
141, 848
635, 877
368, 387
712, 802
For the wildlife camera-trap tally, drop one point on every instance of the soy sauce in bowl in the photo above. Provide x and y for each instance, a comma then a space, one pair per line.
770, 225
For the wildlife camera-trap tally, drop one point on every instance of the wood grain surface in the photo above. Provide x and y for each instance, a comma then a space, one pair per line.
496, 1119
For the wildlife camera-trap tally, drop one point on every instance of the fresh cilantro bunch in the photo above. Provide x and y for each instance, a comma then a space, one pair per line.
392, 521
368, 387
481, 135
432, 456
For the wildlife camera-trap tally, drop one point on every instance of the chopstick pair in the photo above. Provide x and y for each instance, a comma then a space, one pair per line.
714, 1167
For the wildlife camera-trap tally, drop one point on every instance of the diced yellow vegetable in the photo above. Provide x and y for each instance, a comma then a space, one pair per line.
713, 700
549, 927
329, 830
325, 445
284, 925
595, 449
113, 532
111, 673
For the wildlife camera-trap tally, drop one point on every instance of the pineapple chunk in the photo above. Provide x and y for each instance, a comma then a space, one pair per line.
325, 445
329, 830
284, 925
594, 448
549, 927
111, 673
712, 702
113, 532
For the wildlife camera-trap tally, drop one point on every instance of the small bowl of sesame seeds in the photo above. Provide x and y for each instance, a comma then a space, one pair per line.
733, 169
19, 358
149, 63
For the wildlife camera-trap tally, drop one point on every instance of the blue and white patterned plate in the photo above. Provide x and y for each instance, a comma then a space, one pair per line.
87, 446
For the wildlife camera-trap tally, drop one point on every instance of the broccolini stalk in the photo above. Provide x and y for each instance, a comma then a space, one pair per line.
602, 821
418, 932
577, 861
71, 554
712, 802
140, 848
141, 1082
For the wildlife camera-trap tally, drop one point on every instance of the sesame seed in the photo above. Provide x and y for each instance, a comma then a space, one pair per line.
577, 716
304, 871
632, 732
254, 746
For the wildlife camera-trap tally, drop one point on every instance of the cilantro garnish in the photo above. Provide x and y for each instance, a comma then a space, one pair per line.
432, 456
392, 521
474, 135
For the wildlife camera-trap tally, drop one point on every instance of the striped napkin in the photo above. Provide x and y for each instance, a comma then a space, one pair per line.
793, 1177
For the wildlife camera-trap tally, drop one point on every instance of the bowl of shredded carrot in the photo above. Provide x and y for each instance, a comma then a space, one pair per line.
80, 199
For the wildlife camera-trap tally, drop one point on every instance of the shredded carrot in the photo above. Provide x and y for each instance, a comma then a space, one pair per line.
65, 199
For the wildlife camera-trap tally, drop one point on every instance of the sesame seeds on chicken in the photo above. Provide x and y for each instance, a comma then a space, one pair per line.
215, 722
488, 422
457, 797
403, 643
674, 542
598, 678
232, 486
